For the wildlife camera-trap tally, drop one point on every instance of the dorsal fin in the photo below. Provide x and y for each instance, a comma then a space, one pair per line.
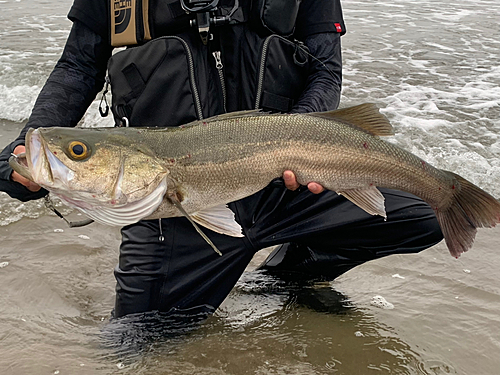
365, 116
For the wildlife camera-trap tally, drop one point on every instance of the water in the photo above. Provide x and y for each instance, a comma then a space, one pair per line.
432, 66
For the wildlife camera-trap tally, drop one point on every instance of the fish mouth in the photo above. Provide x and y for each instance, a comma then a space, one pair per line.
19, 163
45, 168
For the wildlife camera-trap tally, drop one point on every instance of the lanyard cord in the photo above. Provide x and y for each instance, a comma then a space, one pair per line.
50, 205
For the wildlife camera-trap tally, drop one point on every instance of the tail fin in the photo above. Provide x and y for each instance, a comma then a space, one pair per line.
471, 208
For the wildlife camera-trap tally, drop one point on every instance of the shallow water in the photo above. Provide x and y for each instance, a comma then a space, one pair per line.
432, 67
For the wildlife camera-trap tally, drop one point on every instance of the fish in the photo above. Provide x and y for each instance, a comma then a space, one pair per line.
118, 176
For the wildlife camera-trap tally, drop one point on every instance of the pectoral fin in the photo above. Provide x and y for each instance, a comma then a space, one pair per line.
220, 219
369, 199
172, 197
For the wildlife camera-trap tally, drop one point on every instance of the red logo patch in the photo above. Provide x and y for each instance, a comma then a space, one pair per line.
338, 26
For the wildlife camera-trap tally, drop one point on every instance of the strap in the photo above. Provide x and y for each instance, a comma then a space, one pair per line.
176, 8
134, 79
276, 102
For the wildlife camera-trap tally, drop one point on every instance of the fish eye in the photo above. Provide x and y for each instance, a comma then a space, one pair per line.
78, 150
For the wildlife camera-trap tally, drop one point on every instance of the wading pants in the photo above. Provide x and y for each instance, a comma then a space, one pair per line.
169, 267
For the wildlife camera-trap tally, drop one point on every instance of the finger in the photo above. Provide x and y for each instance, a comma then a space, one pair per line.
19, 150
30, 185
290, 180
315, 188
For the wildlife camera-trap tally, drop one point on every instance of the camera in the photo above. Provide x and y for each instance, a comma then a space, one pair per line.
205, 15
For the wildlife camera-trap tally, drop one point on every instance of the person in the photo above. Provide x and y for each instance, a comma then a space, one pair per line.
256, 53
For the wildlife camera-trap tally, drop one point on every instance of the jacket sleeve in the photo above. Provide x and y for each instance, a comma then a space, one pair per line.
71, 87
324, 83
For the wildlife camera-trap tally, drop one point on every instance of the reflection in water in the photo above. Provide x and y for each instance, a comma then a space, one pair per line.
131, 336
265, 327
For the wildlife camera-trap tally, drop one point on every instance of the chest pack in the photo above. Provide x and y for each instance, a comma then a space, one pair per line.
177, 78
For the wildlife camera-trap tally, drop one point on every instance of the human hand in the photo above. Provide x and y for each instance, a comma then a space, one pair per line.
30, 185
292, 184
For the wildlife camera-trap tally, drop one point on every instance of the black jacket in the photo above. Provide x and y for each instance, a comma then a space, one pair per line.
259, 69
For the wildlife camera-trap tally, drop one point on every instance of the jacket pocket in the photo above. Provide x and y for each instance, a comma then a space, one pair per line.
155, 84
283, 73
275, 16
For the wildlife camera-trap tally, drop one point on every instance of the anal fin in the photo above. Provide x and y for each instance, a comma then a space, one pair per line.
369, 199
220, 219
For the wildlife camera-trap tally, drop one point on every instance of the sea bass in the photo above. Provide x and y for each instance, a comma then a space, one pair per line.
121, 175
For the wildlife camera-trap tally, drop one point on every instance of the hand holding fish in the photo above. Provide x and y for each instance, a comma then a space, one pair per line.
292, 184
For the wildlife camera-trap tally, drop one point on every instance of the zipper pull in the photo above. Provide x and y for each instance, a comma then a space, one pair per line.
218, 65
161, 238
218, 60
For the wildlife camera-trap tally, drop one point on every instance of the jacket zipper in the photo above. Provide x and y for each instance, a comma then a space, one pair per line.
261, 70
219, 66
192, 77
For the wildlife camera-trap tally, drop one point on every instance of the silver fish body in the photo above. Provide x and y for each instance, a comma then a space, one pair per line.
133, 173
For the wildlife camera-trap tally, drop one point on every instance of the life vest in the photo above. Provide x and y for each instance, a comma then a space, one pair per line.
169, 77
129, 22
